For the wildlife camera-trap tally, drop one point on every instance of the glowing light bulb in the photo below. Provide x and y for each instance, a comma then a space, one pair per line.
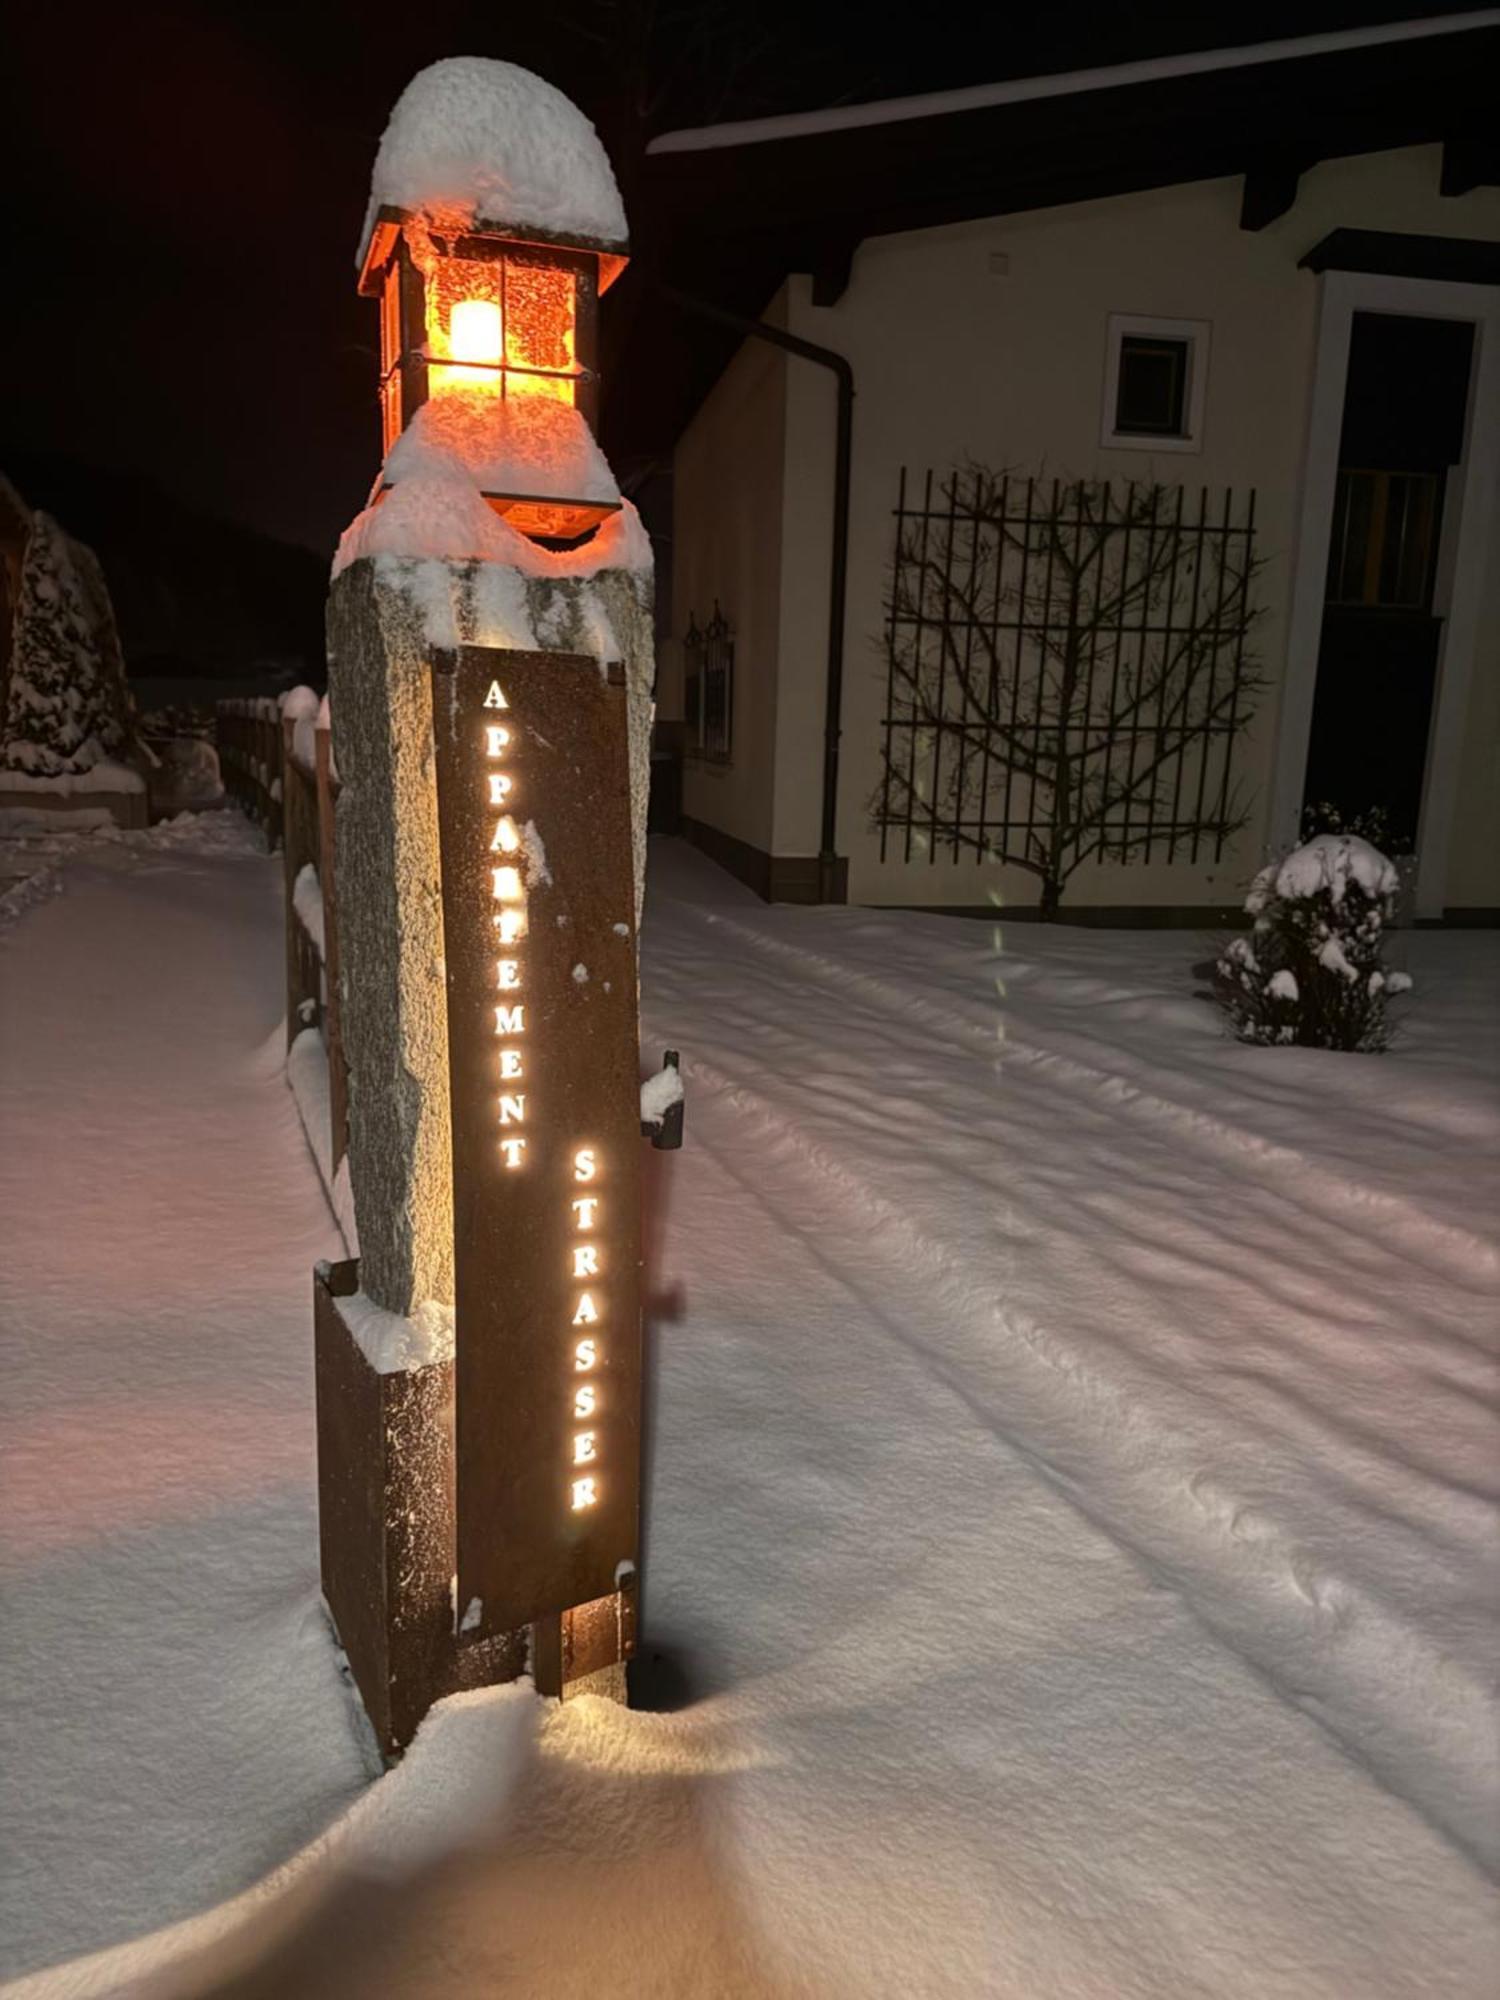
474, 330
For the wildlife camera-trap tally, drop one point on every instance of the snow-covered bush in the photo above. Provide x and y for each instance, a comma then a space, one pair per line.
1310, 972
62, 717
1324, 816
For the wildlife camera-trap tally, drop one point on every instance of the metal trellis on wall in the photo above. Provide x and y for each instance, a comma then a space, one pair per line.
1067, 670
708, 687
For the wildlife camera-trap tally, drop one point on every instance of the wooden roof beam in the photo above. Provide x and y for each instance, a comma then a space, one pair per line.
1470, 160
832, 265
1270, 190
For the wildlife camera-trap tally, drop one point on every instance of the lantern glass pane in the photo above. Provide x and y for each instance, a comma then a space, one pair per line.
455, 287
456, 281
527, 315
539, 325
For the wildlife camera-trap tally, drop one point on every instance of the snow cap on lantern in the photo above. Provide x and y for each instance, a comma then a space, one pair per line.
494, 224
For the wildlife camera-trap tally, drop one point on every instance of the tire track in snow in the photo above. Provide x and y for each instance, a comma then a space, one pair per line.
1282, 1604
1281, 1216
1439, 1246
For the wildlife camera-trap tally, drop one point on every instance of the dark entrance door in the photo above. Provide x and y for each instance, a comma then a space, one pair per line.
1404, 407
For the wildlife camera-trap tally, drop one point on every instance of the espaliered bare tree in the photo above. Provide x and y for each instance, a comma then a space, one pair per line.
1068, 669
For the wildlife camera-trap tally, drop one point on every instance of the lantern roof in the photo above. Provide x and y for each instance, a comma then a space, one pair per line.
481, 147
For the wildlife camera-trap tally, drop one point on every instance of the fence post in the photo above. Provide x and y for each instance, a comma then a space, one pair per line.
296, 995
276, 776
299, 848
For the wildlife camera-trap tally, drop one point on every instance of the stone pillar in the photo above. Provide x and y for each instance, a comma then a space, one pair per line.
385, 1334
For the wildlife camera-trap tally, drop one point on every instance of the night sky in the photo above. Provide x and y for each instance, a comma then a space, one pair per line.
181, 299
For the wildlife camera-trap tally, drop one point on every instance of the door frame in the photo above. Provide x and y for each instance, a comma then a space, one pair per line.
1458, 594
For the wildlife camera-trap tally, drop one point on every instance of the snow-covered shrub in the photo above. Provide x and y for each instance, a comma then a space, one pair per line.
1310, 972
61, 715
1323, 816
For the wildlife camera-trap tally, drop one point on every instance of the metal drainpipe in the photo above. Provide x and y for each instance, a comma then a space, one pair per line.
838, 582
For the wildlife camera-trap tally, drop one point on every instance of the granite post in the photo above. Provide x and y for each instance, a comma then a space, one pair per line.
386, 1374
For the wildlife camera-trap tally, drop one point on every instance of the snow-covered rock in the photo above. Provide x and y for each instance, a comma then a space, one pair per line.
187, 777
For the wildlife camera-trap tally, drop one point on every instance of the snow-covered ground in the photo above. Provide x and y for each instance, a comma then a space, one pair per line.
1073, 1528
172, 1722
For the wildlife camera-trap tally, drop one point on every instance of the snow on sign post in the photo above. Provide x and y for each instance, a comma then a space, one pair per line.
490, 668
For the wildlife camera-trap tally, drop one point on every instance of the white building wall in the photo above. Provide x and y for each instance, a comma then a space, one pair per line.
727, 502
956, 358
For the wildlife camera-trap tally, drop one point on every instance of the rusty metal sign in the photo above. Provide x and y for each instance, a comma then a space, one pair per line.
540, 950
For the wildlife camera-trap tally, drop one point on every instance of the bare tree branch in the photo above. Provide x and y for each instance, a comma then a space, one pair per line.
1086, 639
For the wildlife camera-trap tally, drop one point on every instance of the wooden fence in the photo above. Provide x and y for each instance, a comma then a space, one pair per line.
249, 739
278, 764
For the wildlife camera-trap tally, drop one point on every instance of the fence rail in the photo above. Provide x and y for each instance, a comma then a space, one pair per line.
280, 768
1066, 663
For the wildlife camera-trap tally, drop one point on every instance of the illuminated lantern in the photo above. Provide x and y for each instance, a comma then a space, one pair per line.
495, 323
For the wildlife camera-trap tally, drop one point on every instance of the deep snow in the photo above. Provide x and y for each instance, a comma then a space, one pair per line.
1072, 1525
172, 1720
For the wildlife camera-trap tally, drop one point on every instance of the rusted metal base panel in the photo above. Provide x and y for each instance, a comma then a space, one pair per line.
583, 1644
386, 1529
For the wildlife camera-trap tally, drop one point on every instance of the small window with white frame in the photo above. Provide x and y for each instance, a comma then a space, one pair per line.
1155, 375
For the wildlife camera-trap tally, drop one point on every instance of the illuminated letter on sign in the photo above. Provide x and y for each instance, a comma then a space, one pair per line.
545, 1121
